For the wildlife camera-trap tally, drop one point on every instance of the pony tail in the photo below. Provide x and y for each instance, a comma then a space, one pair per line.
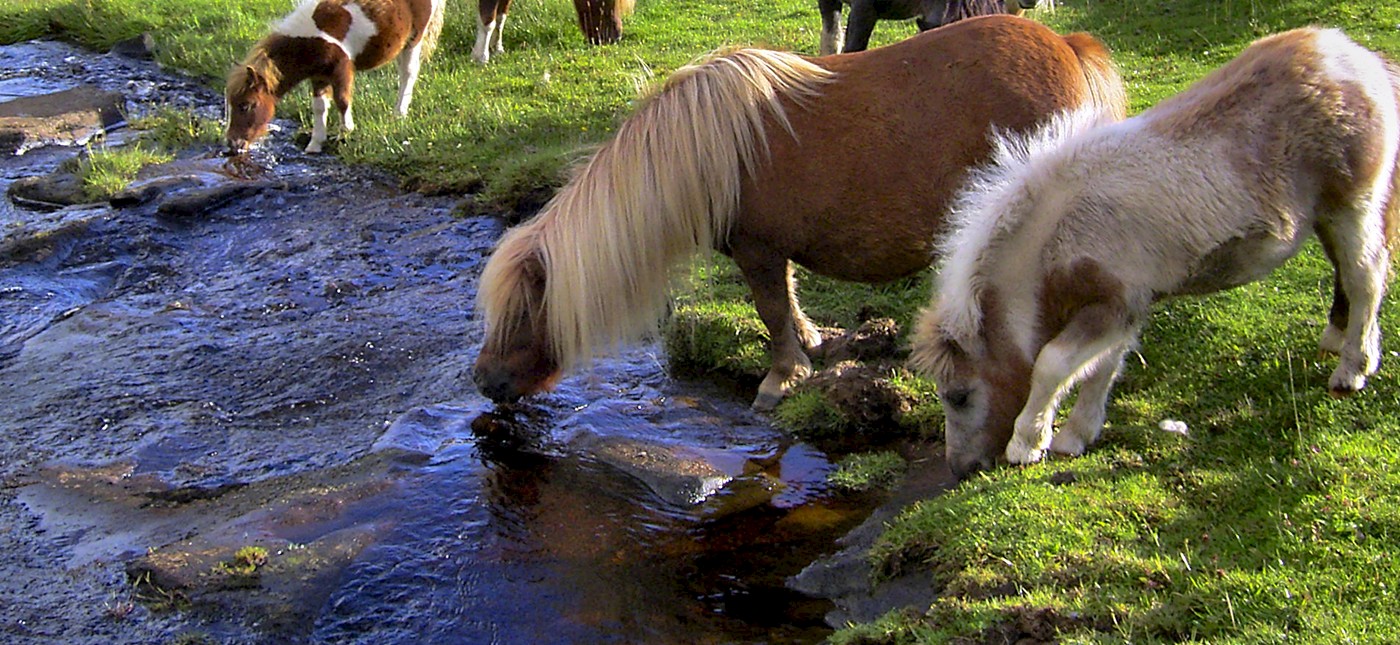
433, 30
1105, 84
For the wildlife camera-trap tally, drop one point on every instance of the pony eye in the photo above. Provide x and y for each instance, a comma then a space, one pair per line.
957, 399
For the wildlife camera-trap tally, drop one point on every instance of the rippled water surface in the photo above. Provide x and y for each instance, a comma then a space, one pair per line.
289, 369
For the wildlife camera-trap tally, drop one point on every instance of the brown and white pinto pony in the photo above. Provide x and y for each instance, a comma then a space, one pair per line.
1063, 244
600, 21
927, 14
843, 164
326, 42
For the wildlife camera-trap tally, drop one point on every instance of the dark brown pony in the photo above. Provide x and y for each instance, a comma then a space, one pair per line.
326, 42
600, 21
843, 164
926, 13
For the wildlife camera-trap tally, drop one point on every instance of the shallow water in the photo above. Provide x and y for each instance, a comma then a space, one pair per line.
290, 368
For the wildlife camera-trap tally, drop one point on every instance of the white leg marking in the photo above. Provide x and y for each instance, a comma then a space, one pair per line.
1059, 365
410, 61
1332, 340
347, 119
1085, 421
500, 29
482, 51
1362, 262
318, 123
833, 38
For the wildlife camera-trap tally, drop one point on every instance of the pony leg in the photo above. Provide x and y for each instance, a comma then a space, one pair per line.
500, 29
485, 28
1085, 421
319, 108
1091, 337
860, 25
1361, 264
772, 286
410, 60
1333, 335
833, 35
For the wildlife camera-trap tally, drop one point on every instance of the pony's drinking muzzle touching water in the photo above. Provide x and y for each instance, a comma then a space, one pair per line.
1063, 244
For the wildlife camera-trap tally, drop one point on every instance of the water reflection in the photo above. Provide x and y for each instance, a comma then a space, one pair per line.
528, 529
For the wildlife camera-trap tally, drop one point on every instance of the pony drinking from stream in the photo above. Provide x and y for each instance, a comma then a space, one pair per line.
1064, 243
843, 164
326, 42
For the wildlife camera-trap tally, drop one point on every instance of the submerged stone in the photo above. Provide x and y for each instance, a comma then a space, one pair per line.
70, 117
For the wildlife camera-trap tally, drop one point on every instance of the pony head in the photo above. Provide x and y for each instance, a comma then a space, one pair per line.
518, 358
982, 386
249, 101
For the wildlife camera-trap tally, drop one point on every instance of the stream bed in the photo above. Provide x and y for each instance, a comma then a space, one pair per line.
285, 365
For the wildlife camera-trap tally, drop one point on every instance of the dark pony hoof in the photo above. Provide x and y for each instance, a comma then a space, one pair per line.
765, 402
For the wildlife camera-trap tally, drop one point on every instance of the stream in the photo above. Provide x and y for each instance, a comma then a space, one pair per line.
284, 363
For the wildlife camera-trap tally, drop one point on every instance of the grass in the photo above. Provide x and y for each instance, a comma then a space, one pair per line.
1276, 518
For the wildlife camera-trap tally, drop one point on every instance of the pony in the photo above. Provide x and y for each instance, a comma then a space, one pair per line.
771, 157
326, 42
600, 21
927, 14
1063, 244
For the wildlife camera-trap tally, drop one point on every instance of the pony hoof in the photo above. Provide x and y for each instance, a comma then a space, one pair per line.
1018, 454
765, 402
1340, 393
1068, 444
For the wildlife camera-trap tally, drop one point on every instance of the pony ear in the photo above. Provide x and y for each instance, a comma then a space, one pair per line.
255, 80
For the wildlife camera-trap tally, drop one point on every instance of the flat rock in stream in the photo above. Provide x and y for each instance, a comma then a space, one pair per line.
69, 117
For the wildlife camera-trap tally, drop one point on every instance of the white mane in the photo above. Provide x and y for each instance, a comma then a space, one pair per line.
994, 200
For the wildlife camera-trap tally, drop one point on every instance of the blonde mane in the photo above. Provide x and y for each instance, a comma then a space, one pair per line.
994, 202
259, 63
666, 186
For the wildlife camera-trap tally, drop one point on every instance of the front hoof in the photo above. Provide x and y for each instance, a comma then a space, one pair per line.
1068, 443
1019, 453
1342, 386
765, 402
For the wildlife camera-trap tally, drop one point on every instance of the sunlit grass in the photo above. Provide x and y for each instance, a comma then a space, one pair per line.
1277, 517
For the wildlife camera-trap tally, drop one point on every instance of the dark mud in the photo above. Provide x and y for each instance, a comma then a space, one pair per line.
222, 359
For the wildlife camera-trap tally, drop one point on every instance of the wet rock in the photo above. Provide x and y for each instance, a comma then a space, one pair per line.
139, 193
48, 192
848, 576
678, 476
873, 340
70, 117
35, 235
201, 201
141, 47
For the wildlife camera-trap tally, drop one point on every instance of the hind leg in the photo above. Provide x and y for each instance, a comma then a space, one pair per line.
486, 25
770, 279
319, 107
1356, 245
833, 35
410, 61
501, 8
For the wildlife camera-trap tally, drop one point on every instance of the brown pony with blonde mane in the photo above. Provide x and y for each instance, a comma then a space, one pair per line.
326, 42
1062, 246
843, 164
